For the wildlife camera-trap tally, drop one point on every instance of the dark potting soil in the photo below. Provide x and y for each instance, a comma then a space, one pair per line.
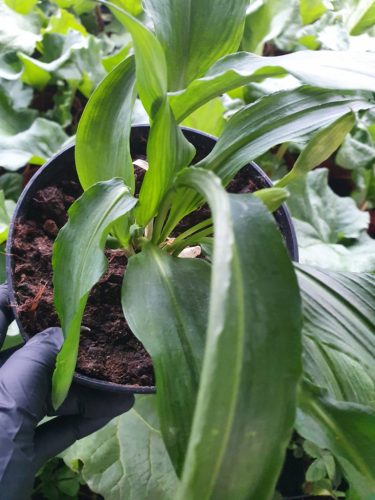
108, 349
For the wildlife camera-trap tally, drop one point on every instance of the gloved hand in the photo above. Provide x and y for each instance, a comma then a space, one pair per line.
25, 390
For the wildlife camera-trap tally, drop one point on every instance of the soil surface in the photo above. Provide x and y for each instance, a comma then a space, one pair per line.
108, 349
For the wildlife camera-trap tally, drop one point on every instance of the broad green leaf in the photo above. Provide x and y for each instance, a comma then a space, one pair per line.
336, 238
111, 61
167, 149
274, 119
18, 32
75, 58
10, 66
11, 184
328, 69
363, 17
355, 154
322, 145
265, 20
347, 430
102, 145
19, 95
62, 22
78, 267
21, 6
167, 152
311, 10
126, 459
195, 33
237, 443
175, 293
339, 333
134, 7
25, 139
150, 60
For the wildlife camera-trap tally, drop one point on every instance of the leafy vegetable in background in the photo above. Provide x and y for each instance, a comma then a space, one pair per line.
63, 51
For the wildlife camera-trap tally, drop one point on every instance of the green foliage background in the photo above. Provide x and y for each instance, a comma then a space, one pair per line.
52, 57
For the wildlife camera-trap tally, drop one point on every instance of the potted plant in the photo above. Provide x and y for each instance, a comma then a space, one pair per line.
224, 337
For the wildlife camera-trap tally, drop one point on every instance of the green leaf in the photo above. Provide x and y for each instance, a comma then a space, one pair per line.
127, 458
167, 152
274, 119
323, 68
322, 145
334, 238
208, 118
21, 6
74, 57
237, 443
18, 32
316, 471
19, 95
10, 66
76, 271
175, 292
355, 154
311, 10
363, 17
167, 149
339, 333
347, 430
151, 66
62, 22
102, 146
265, 20
25, 139
195, 33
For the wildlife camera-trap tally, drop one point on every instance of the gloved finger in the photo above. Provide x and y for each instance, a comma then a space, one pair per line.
56, 435
6, 313
25, 378
93, 403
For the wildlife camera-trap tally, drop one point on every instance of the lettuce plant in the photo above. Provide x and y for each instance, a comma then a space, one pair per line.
224, 335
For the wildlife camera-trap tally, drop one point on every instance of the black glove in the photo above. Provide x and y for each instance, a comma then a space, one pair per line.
25, 391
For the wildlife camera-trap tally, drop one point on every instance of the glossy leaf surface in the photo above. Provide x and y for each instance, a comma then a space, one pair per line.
175, 293
223, 458
102, 146
326, 69
272, 120
126, 459
151, 66
167, 152
322, 145
339, 332
167, 149
335, 239
347, 430
78, 263
195, 33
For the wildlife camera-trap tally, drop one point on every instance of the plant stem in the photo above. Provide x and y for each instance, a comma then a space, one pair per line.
191, 230
282, 150
284, 181
161, 217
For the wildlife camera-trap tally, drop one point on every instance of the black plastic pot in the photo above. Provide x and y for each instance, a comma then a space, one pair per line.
56, 169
